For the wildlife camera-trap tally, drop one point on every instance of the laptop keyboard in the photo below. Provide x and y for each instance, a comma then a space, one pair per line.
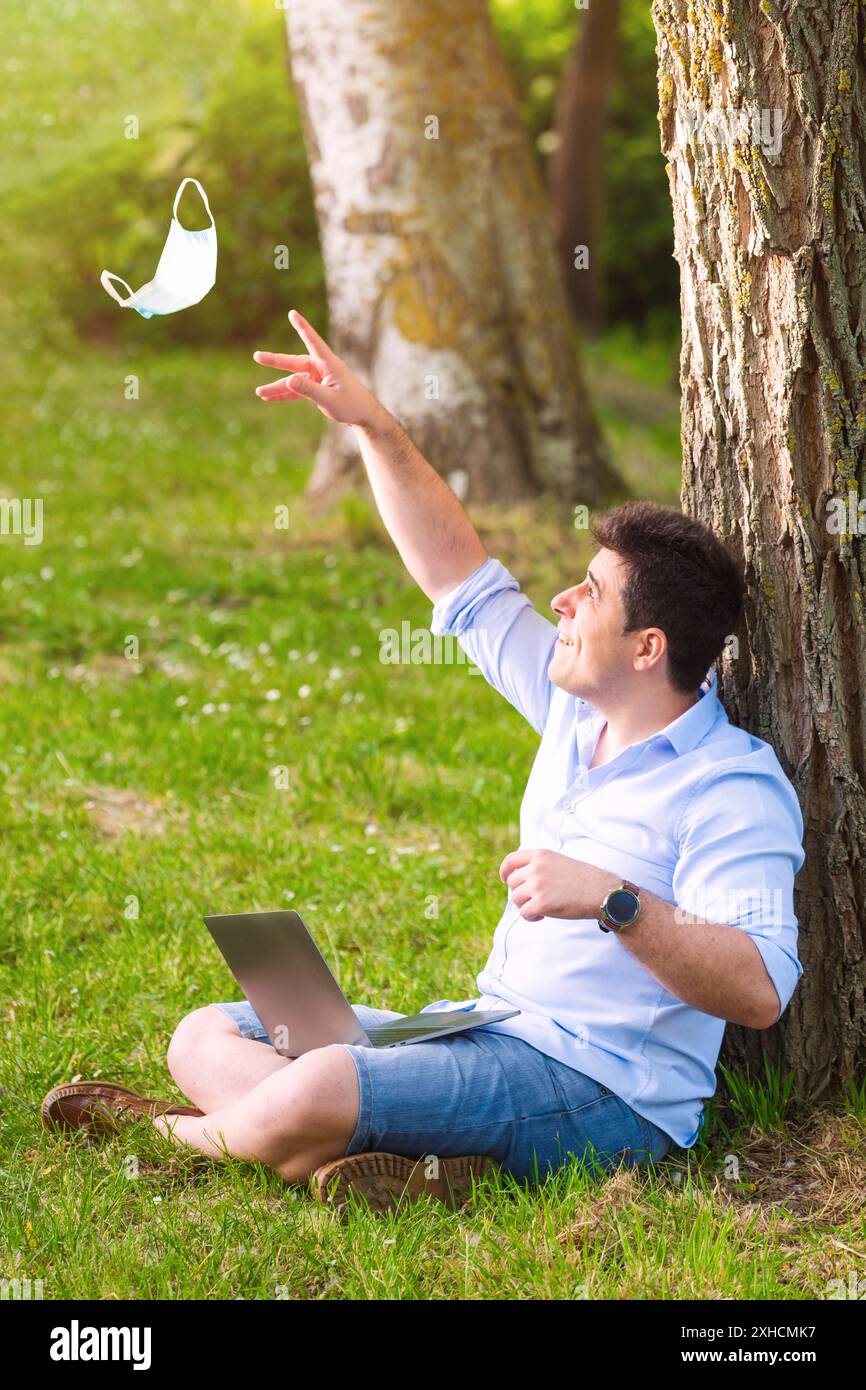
399, 1028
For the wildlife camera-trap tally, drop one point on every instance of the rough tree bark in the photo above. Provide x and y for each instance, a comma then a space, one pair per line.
442, 283
772, 256
577, 163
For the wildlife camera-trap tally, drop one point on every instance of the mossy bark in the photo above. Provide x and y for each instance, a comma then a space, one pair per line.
769, 237
442, 281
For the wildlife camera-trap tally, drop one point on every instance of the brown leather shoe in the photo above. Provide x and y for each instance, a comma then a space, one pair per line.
387, 1180
100, 1106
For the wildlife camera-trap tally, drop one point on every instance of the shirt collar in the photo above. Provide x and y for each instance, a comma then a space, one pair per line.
686, 731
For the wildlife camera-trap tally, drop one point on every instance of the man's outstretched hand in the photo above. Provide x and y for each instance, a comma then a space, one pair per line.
320, 376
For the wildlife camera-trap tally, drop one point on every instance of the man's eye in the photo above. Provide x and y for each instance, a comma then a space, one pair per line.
591, 592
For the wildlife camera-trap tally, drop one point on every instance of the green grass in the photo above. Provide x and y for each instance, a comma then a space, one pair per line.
140, 793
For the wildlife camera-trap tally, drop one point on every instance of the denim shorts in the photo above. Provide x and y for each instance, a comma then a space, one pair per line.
485, 1093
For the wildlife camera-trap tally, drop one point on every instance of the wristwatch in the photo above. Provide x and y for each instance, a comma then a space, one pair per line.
621, 907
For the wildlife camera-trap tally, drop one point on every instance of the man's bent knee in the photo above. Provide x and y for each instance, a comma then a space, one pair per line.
194, 1033
318, 1106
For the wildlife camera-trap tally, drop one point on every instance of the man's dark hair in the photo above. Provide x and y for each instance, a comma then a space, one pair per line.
680, 578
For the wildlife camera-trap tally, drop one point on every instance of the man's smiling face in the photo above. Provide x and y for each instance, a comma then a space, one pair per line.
591, 654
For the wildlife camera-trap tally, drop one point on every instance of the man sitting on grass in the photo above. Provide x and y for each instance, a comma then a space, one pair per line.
650, 900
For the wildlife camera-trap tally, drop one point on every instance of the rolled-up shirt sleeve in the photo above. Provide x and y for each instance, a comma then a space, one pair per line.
740, 849
499, 630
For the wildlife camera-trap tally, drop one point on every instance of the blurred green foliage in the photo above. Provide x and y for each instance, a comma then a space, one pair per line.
641, 276
210, 88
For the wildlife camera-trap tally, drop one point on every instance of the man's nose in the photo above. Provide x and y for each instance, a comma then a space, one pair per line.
565, 603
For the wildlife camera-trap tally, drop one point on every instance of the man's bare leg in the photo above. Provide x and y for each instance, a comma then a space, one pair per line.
294, 1120
213, 1064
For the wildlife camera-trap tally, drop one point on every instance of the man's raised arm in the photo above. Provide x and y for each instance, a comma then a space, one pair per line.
435, 538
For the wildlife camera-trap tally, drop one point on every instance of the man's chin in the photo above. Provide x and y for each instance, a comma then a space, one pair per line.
561, 679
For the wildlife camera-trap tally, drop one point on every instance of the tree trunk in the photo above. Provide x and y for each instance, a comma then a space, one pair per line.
772, 256
577, 163
442, 283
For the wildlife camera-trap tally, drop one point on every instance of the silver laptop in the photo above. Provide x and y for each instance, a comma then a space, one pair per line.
284, 976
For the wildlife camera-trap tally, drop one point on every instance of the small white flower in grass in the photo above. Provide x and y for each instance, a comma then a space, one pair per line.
335, 673
53, 672
400, 726
354, 651
114, 714
312, 656
405, 849
46, 573
431, 849
80, 542
304, 691
288, 895
272, 694
371, 828
153, 621
181, 701
294, 654
346, 697
208, 708
371, 849
336, 849
359, 696
305, 719
223, 707
263, 648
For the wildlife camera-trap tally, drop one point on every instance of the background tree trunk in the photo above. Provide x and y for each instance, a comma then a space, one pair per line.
442, 282
772, 257
577, 163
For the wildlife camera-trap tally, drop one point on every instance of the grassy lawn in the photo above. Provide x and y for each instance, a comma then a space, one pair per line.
164, 651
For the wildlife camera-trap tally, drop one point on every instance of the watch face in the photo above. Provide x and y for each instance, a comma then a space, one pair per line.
621, 906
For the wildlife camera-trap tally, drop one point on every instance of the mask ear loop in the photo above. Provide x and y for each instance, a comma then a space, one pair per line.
177, 197
104, 280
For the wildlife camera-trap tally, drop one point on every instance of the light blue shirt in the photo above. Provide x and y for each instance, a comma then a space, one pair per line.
700, 813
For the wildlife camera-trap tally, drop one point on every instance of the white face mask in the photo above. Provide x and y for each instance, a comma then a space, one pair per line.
186, 270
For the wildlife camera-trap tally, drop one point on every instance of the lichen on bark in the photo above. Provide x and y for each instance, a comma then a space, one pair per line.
772, 253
